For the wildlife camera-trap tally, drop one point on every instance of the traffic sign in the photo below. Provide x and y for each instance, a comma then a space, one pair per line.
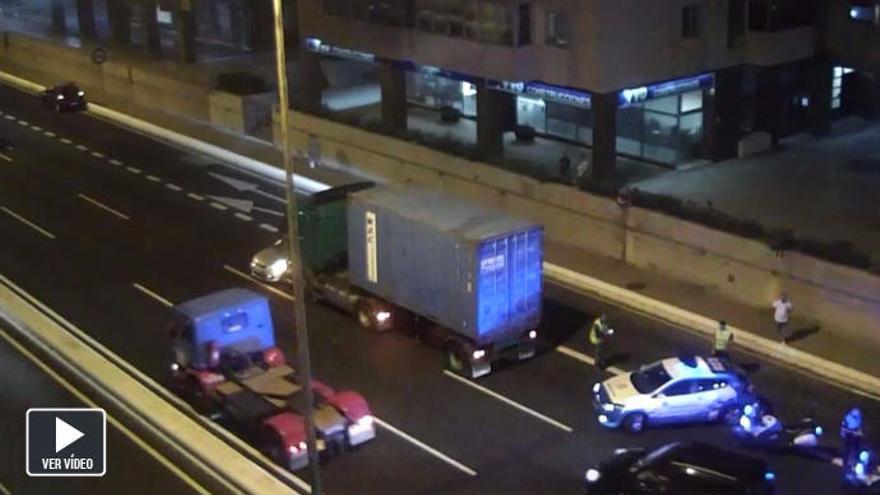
66, 442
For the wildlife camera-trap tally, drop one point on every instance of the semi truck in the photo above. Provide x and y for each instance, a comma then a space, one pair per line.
225, 363
466, 278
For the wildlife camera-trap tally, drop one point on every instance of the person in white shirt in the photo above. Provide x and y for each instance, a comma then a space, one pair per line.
781, 312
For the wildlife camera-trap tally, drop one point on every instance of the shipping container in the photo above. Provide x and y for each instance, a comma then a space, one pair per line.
471, 269
322, 228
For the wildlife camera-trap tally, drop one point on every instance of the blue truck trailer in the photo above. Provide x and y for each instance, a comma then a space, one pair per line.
466, 278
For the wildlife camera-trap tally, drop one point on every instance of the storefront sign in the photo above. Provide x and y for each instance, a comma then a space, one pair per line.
316, 45
544, 91
643, 93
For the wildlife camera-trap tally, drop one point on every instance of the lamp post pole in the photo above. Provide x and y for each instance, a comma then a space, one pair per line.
299, 308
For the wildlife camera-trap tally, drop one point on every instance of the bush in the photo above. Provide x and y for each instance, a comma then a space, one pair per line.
241, 83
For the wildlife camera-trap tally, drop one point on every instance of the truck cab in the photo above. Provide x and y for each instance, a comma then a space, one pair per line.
225, 363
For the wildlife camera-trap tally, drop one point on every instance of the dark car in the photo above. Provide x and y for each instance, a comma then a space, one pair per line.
64, 97
680, 469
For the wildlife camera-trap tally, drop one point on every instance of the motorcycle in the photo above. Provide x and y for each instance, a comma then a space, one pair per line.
758, 428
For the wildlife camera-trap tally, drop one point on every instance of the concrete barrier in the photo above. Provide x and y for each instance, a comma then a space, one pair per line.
171, 432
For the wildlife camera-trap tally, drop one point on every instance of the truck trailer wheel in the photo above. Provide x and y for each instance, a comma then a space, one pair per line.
457, 361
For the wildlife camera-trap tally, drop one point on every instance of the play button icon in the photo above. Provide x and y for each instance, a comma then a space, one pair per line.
65, 434
66, 442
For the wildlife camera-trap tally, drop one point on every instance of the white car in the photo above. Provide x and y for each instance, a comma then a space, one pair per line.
674, 390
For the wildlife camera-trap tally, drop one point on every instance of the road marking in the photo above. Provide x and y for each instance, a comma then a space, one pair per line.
23, 123
268, 287
36, 128
10, 117
4, 157
217, 206
195, 196
66, 141
270, 228
27, 222
97, 154
153, 178
116, 162
104, 207
144, 446
82, 148
49, 134
510, 402
152, 294
246, 218
568, 351
173, 187
133, 170
427, 448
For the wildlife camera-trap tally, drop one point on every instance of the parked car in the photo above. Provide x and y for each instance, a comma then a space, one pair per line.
272, 264
680, 469
67, 97
675, 390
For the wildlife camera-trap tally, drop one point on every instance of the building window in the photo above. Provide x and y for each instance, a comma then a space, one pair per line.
778, 15
690, 21
478, 20
557, 29
524, 34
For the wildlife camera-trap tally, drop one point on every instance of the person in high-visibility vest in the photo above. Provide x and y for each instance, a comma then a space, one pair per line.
723, 338
600, 331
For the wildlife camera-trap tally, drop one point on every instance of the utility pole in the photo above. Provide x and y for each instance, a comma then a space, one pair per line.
299, 308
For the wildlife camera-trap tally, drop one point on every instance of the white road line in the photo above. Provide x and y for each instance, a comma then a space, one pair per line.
24, 123
153, 178
268, 287
152, 294
4, 490
195, 196
82, 148
427, 448
133, 170
36, 128
173, 187
49, 134
510, 402
4, 157
66, 141
568, 351
270, 228
246, 218
116, 162
218, 206
27, 222
104, 207
97, 154
10, 117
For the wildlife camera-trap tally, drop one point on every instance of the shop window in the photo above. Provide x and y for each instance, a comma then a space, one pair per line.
692, 100
557, 29
690, 21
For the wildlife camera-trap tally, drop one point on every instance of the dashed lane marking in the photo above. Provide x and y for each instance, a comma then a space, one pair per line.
114, 161
24, 123
97, 154
36, 128
270, 228
4, 490
66, 141
218, 206
27, 222
4, 157
242, 216
510, 402
133, 170
157, 297
195, 196
568, 351
427, 448
10, 117
82, 147
49, 134
245, 276
173, 187
153, 178
104, 207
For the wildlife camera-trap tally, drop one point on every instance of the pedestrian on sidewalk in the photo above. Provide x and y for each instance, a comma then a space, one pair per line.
782, 308
723, 338
564, 166
851, 437
583, 169
600, 332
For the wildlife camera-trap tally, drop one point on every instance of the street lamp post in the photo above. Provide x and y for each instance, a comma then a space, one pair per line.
299, 308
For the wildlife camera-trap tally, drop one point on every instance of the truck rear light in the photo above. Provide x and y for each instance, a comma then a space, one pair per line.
383, 316
479, 354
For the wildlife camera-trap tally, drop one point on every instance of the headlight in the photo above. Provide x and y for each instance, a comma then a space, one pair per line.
596, 388
175, 366
533, 334
60, 97
382, 316
80, 93
592, 475
479, 354
608, 407
278, 267
361, 425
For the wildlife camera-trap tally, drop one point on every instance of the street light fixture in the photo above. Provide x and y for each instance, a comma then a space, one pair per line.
299, 308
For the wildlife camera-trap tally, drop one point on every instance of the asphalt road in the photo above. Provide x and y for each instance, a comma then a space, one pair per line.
25, 385
527, 428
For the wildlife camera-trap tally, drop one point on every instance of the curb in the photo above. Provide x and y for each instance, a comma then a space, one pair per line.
805, 362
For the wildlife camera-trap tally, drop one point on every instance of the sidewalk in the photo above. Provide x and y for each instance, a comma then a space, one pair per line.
820, 342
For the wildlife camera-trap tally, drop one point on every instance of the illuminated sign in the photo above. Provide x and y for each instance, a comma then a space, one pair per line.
544, 91
318, 46
632, 96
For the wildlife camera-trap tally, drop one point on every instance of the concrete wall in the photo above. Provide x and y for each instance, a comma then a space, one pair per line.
244, 114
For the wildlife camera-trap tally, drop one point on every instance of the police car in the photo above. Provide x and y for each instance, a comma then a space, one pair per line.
675, 390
